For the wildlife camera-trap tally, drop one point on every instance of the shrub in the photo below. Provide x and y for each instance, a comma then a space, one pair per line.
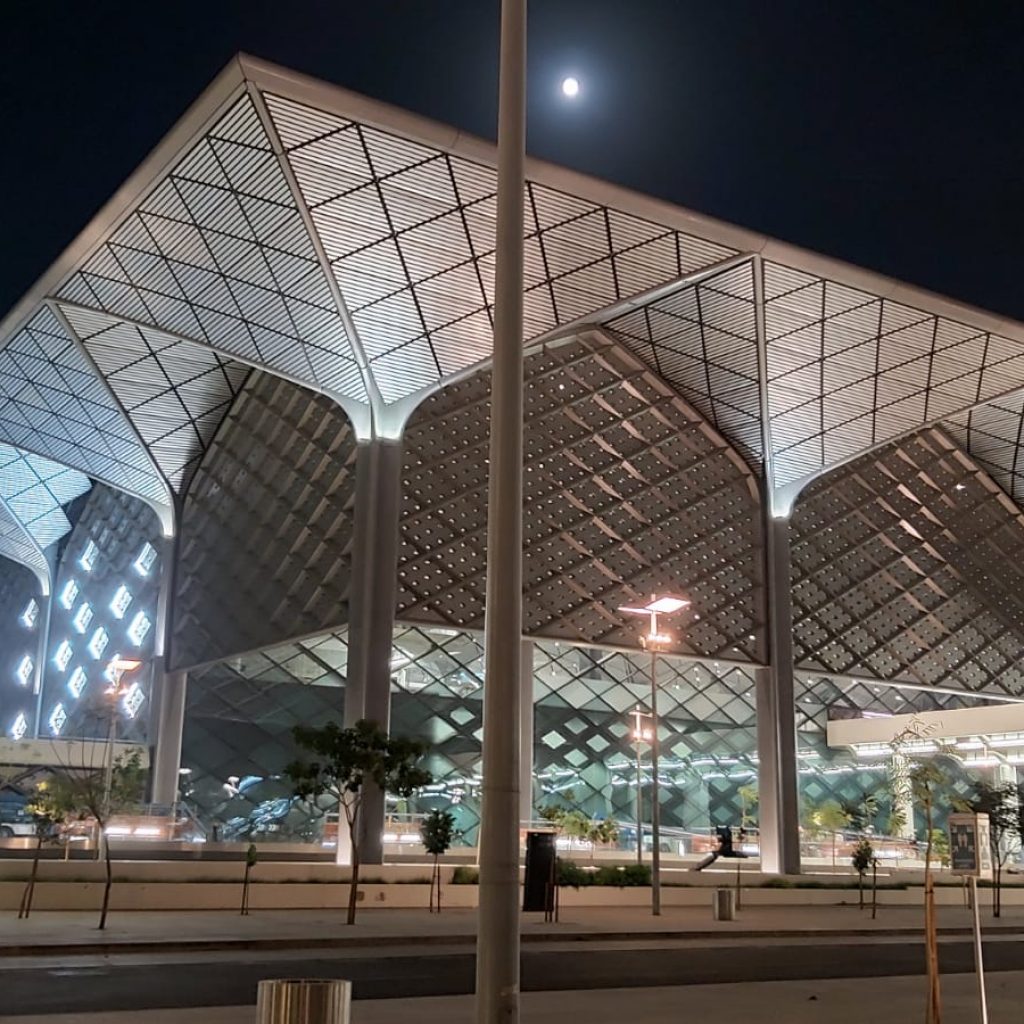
631, 875
463, 875
571, 874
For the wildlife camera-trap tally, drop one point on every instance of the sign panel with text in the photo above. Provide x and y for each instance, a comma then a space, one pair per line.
970, 851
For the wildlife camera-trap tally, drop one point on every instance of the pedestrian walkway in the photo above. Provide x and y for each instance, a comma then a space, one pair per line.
847, 1001
68, 933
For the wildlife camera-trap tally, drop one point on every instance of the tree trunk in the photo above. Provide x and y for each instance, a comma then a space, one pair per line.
30, 886
245, 892
109, 879
833, 851
860, 890
874, 889
997, 901
739, 888
353, 889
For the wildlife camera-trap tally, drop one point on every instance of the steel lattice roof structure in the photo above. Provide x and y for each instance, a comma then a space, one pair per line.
348, 247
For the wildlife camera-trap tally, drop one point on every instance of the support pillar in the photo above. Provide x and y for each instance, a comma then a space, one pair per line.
526, 732
167, 690
373, 594
42, 646
776, 715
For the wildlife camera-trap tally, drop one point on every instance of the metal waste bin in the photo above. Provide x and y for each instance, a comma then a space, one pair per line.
303, 1001
725, 904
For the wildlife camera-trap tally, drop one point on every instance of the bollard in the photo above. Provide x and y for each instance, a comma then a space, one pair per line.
724, 904
303, 1001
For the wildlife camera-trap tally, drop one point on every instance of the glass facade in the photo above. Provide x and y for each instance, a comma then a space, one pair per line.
241, 712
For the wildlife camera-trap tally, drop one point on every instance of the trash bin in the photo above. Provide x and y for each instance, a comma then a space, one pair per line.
725, 904
303, 1001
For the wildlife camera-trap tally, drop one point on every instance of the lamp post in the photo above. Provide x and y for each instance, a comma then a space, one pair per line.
118, 668
654, 641
497, 958
642, 733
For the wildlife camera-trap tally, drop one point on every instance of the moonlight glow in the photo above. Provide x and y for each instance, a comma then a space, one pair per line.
570, 87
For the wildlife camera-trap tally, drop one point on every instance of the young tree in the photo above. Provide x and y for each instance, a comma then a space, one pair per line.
342, 761
1000, 803
748, 803
437, 832
862, 859
251, 856
600, 831
830, 819
49, 807
99, 794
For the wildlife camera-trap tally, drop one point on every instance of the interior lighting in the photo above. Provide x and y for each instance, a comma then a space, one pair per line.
119, 604
63, 655
58, 717
133, 700
23, 672
30, 616
19, 726
77, 681
139, 628
82, 617
89, 556
570, 87
98, 643
144, 563
69, 594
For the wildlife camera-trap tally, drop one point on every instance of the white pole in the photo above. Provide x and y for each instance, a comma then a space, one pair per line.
639, 806
655, 797
497, 965
979, 965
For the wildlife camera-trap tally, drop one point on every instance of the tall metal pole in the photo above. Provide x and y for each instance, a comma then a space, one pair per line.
655, 798
979, 961
497, 964
639, 808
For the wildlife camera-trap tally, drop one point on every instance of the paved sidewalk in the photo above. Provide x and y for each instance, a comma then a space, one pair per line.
66, 933
796, 1002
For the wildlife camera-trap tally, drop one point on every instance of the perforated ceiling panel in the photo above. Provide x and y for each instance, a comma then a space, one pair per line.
175, 393
907, 565
409, 233
53, 403
218, 253
628, 490
702, 339
992, 435
267, 526
848, 370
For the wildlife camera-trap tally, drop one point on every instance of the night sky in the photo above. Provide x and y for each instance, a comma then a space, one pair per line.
887, 134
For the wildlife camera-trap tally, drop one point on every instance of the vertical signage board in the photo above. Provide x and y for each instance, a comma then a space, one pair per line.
970, 850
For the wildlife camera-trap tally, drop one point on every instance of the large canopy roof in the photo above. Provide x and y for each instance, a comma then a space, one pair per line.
348, 246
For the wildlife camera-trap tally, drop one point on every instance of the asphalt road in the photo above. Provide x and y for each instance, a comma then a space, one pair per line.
136, 984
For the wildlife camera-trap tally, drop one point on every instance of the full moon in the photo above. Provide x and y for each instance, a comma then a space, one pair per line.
570, 87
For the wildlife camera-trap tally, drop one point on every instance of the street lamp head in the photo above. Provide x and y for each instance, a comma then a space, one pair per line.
658, 606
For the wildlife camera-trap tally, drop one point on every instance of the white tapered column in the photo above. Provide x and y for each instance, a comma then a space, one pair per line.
497, 963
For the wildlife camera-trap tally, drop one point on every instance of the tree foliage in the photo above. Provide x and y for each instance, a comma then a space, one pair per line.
87, 796
341, 762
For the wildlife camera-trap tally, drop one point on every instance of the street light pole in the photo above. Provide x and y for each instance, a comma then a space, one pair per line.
655, 795
640, 735
652, 642
497, 961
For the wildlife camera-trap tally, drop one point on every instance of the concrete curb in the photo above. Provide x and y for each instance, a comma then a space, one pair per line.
145, 946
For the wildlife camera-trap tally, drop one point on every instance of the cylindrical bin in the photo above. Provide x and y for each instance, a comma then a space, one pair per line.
303, 1001
725, 904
